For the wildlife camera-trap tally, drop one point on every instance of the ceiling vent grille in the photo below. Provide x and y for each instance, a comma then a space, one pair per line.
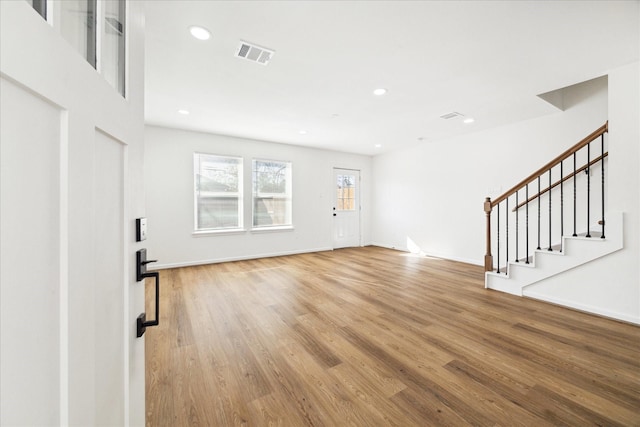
254, 53
451, 115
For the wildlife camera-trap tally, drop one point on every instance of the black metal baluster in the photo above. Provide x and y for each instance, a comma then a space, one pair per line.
498, 240
561, 206
574, 196
517, 229
506, 214
538, 213
602, 173
550, 249
527, 223
588, 190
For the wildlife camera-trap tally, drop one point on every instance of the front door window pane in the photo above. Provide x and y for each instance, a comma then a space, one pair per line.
78, 26
112, 54
40, 6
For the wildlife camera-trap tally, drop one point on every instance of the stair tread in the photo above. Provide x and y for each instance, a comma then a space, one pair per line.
555, 249
593, 234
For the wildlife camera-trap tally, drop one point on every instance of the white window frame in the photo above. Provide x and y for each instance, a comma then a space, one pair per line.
288, 196
239, 195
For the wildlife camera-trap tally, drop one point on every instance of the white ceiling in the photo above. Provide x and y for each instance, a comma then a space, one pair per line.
486, 60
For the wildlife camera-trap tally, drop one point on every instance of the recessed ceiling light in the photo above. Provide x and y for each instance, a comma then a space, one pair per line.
378, 145
302, 132
200, 33
184, 112
380, 91
421, 138
468, 120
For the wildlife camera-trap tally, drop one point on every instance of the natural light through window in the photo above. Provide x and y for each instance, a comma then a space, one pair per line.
271, 194
346, 187
218, 192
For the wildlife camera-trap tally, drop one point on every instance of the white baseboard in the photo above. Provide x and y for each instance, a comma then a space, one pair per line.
433, 254
583, 307
239, 258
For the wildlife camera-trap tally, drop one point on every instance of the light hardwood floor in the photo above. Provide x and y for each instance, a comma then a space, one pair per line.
373, 337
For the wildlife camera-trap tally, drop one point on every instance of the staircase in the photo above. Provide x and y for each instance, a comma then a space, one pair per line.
533, 228
544, 264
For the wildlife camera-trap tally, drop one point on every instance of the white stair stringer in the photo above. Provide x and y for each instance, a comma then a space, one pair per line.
576, 251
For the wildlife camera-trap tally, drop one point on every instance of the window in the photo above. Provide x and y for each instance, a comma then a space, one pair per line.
97, 31
40, 6
112, 45
271, 193
346, 193
218, 192
78, 26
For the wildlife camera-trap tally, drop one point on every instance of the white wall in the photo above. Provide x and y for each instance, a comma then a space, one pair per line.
169, 198
611, 286
58, 362
439, 200
433, 193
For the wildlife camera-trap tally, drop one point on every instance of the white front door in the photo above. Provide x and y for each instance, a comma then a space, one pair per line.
71, 165
346, 208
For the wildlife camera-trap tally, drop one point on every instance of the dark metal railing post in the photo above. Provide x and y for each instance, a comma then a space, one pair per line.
574, 196
538, 212
550, 249
602, 174
561, 206
588, 191
517, 229
527, 223
506, 268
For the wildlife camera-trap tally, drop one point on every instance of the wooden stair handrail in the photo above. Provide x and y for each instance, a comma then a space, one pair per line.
592, 136
558, 182
489, 204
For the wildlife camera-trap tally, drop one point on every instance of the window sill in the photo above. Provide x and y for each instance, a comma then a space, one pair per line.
272, 229
205, 233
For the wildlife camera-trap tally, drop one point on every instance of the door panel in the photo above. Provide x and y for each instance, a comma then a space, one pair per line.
346, 208
30, 258
109, 296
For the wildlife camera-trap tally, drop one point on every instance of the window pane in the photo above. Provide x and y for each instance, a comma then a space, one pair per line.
112, 53
78, 26
217, 212
271, 193
345, 197
218, 191
40, 6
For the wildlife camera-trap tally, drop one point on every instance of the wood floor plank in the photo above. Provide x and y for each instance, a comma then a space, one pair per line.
361, 390
372, 337
378, 376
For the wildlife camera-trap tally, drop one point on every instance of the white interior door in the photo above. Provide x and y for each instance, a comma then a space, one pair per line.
346, 208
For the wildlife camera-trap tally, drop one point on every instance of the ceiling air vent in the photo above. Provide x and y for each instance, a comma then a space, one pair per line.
254, 53
451, 115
